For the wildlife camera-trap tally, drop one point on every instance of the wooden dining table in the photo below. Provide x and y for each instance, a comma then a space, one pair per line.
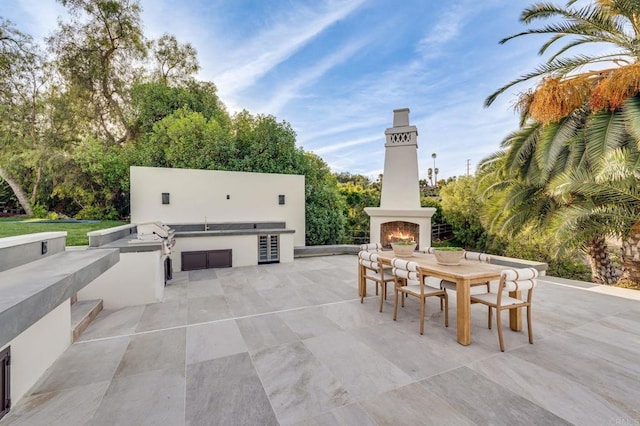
464, 275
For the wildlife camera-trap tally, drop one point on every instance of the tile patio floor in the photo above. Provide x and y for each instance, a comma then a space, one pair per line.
291, 344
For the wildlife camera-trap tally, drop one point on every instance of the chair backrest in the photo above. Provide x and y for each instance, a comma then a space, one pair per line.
369, 260
478, 257
407, 270
371, 247
519, 279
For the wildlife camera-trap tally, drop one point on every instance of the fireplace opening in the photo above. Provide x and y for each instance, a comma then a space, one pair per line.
391, 232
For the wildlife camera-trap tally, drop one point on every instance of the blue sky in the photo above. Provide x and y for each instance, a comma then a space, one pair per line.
335, 69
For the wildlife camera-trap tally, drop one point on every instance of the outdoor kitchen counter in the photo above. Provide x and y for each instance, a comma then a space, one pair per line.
136, 246
30, 291
230, 232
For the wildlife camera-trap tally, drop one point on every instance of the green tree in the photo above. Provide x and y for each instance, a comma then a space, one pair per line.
99, 55
324, 217
153, 101
358, 193
175, 63
23, 78
613, 199
461, 207
585, 111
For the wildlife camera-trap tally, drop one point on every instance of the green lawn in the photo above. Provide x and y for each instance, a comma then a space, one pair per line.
76, 232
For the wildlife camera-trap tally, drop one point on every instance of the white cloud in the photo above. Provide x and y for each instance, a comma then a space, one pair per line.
270, 47
347, 144
306, 76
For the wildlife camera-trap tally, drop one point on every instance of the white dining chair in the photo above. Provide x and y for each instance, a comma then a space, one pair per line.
372, 270
510, 280
410, 282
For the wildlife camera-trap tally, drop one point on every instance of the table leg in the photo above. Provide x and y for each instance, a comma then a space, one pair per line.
463, 312
515, 315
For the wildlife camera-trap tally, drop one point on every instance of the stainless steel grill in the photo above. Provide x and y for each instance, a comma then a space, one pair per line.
156, 231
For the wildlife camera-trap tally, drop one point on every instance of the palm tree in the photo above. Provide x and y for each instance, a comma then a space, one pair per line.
613, 195
521, 179
594, 112
565, 85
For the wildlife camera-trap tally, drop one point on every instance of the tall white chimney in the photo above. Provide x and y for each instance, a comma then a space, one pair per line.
400, 184
400, 213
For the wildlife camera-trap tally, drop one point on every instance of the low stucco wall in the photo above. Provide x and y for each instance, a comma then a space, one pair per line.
37, 348
137, 279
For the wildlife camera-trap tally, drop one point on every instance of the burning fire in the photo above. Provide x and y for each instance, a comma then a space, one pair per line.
399, 236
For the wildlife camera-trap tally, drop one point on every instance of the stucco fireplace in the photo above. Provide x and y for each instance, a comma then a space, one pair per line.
400, 216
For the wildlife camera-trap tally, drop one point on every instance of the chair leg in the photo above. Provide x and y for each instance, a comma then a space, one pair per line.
422, 312
403, 300
446, 309
499, 324
395, 306
383, 294
489, 316
363, 291
529, 327
445, 292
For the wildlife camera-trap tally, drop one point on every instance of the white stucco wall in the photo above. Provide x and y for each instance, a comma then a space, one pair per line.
137, 279
196, 194
36, 349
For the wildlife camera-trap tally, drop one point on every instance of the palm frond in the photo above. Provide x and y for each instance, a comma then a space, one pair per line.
631, 112
604, 131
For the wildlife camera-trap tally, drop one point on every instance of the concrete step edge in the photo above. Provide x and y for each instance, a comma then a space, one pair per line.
82, 313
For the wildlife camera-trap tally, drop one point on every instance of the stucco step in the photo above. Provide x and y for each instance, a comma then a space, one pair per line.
82, 313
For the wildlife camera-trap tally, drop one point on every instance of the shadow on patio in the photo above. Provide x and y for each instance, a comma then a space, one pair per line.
291, 343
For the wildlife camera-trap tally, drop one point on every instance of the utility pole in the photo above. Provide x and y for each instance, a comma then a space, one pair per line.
468, 166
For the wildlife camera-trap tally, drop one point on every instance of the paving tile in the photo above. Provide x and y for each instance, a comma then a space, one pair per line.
213, 340
308, 322
77, 366
346, 415
418, 356
150, 398
263, 331
297, 383
203, 274
110, 323
362, 371
158, 316
412, 405
556, 393
268, 281
350, 315
280, 299
205, 288
175, 291
249, 303
210, 308
237, 283
485, 402
613, 375
53, 408
314, 294
226, 391
160, 350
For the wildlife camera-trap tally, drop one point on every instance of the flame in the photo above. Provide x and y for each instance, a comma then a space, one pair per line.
399, 236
